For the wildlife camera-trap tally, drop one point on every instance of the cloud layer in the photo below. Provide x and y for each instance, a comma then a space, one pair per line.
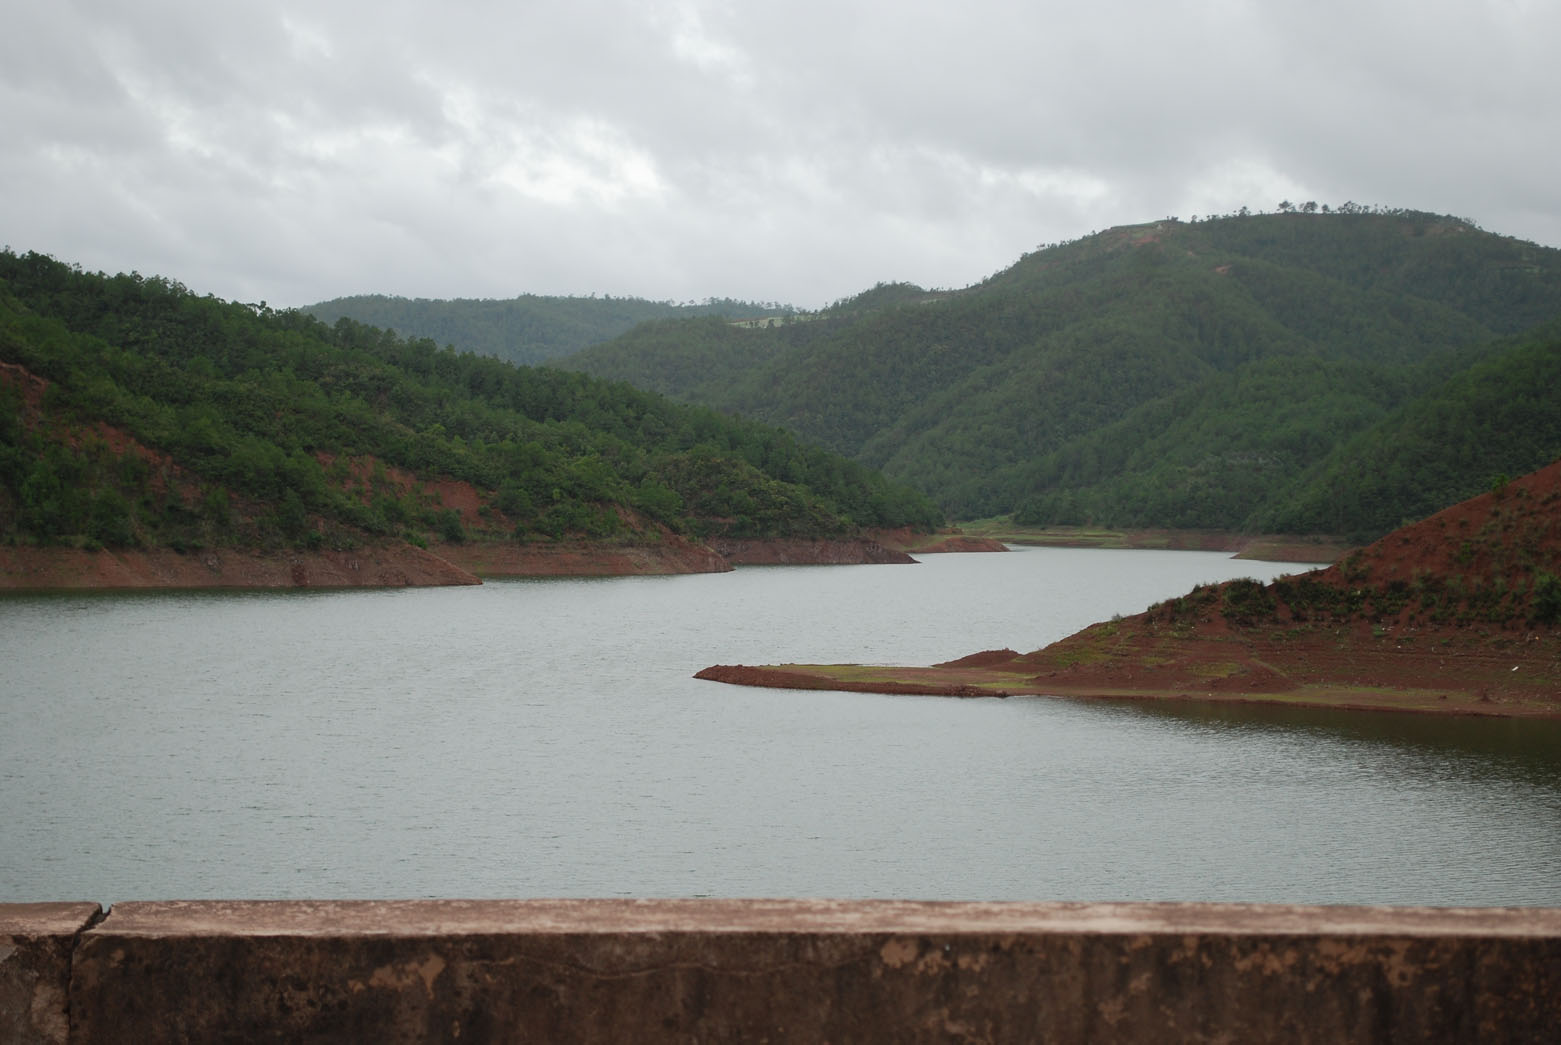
797, 152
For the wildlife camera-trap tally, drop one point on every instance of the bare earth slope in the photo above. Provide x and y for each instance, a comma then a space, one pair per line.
1459, 613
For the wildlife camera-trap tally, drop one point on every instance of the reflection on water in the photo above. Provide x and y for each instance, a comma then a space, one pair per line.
547, 739
1527, 750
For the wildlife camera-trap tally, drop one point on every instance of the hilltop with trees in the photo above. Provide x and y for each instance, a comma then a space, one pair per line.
135, 413
1318, 369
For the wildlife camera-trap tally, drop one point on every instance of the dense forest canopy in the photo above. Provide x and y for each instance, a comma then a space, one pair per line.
271, 427
1202, 374
1314, 370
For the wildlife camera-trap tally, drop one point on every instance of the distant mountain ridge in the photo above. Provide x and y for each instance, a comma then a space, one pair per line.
528, 329
1180, 374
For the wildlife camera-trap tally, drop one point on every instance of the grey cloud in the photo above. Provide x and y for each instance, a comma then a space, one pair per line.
798, 152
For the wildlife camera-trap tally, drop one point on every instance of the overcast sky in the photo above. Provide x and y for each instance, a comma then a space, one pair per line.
799, 151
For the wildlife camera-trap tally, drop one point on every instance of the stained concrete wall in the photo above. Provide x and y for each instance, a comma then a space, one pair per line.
36, 943
606, 970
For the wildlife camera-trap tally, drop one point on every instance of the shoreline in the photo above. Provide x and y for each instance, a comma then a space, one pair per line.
1317, 549
27, 569
39, 570
971, 683
400, 565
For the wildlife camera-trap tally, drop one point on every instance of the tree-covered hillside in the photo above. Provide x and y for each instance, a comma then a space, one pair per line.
525, 330
135, 412
1500, 417
1185, 374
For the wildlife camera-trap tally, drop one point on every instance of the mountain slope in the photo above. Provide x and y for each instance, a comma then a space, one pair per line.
1172, 374
1499, 416
134, 413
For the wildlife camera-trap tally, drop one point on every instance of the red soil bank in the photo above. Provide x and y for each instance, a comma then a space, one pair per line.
804, 551
671, 554
392, 566
1456, 614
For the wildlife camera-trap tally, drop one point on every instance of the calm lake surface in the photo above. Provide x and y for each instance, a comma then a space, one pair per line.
545, 739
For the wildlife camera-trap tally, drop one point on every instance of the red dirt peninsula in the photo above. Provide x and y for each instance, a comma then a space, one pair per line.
1460, 614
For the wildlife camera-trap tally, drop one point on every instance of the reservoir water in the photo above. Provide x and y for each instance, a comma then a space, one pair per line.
545, 739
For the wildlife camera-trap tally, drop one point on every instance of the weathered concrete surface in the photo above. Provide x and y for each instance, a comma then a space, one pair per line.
610, 970
36, 940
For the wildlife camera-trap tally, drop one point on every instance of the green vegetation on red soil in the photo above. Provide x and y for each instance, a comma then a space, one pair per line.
138, 415
1334, 373
1459, 613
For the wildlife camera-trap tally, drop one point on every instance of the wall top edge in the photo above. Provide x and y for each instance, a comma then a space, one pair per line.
850, 917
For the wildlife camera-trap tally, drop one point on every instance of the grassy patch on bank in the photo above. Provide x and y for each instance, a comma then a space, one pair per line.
1267, 548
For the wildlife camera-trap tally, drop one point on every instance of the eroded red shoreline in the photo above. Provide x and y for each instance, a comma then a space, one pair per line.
405, 565
393, 566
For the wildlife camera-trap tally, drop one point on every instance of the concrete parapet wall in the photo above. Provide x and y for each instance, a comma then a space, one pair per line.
36, 943
750, 970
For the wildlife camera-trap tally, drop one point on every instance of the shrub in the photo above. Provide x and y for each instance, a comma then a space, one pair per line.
1247, 601
1546, 605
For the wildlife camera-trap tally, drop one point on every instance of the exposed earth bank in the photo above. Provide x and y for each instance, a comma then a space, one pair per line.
405, 565
1267, 547
1460, 613
392, 566
805, 551
670, 554
913, 543
1463, 677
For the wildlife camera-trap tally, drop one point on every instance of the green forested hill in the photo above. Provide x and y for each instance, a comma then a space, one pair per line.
272, 428
526, 330
1183, 374
1500, 417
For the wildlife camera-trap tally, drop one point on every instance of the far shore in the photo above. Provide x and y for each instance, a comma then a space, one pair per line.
394, 564
1319, 549
398, 564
